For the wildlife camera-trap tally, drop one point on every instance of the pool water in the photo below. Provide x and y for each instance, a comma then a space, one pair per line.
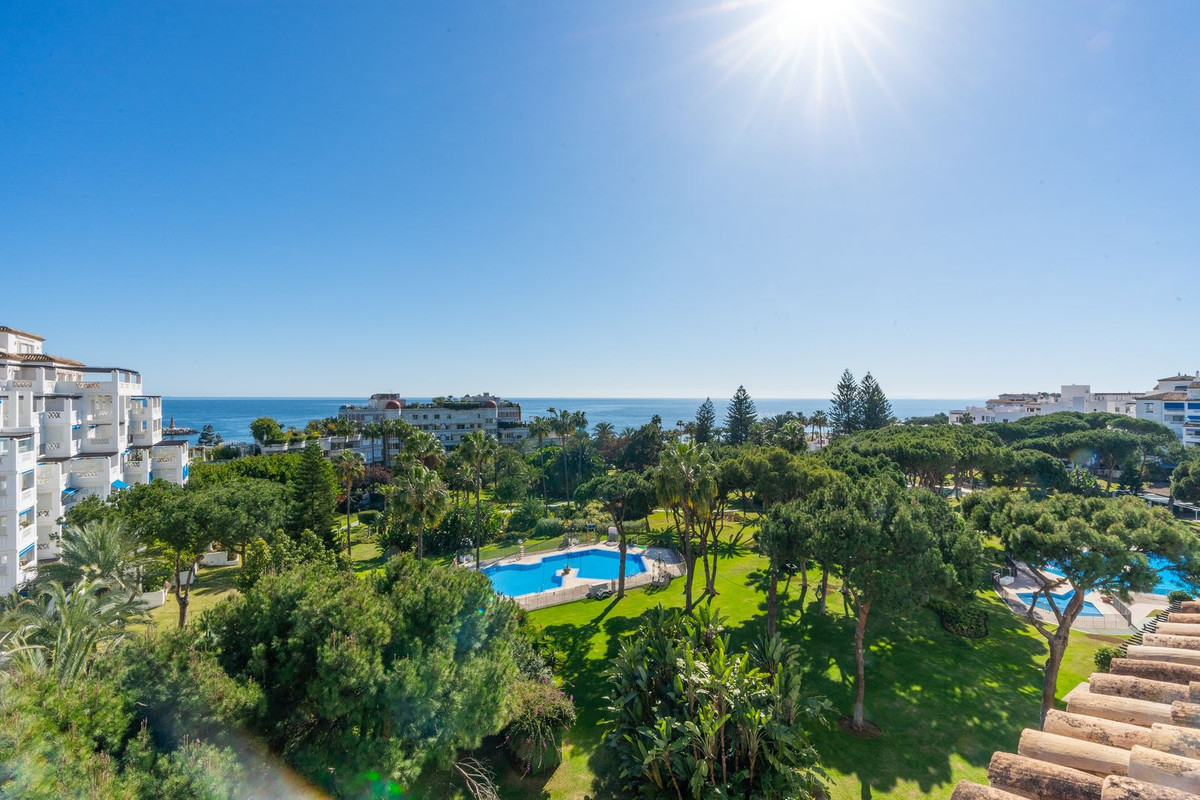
1060, 600
1168, 579
515, 580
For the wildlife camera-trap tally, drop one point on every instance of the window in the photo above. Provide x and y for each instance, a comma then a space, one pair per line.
25, 445
1149, 409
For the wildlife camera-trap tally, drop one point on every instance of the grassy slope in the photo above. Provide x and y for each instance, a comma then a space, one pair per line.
944, 703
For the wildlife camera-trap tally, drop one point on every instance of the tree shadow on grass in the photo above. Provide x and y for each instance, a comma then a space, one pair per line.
933, 694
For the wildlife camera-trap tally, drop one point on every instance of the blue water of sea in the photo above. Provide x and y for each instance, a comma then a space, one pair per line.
515, 580
231, 416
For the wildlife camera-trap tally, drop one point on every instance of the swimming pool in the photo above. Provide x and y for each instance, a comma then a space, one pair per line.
1169, 579
515, 580
1060, 600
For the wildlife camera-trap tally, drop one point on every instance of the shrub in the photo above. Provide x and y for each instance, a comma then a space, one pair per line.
1104, 657
1179, 596
541, 713
663, 697
154, 576
547, 528
368, 517
526, 515
960, 619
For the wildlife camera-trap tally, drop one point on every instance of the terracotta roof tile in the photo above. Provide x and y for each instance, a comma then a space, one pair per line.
40, 358
6, 329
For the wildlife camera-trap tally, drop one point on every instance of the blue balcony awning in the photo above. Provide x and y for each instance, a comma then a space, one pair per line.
70, 490
27, 550
120, 485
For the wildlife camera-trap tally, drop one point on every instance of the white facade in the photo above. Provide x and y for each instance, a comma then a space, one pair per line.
68, 431
1175, 402
447, 419
1071, 397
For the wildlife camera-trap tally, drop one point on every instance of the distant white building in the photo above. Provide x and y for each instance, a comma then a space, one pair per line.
1175, 402
1071, 397
68, 431
448, 419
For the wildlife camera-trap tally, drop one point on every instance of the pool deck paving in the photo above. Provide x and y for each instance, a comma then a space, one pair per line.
1110, 618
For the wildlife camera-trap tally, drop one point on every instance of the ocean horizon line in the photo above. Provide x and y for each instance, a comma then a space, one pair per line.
535, 397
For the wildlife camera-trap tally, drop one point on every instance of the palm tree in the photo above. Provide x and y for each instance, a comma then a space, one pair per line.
421, 500
394, 429
350, 467
477, 450
563, 423
100, 550
372, 432
579, 418
422, 447
686, 484
791, 436
819, 420
540, 428
60, 630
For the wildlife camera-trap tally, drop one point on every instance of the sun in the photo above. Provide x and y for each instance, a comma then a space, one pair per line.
811, 52
794, 21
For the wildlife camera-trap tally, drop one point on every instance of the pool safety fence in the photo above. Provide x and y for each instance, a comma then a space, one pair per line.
1106, 622
658, 573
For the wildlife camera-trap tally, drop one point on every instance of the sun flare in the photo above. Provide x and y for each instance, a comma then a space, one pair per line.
813, 52
793, 21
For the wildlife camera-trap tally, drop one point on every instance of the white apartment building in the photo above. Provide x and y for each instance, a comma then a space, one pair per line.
1175, 402
1071, 397
68, 431
448, 419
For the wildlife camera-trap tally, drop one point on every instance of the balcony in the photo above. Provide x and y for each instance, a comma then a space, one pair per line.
60, 418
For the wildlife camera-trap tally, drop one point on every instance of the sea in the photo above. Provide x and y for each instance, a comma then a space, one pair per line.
231, 416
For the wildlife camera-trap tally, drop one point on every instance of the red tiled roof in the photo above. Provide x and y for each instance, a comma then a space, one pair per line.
6, 329
1164, 396
40, 358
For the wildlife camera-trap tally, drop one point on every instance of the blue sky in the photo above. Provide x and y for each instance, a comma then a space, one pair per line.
604, 199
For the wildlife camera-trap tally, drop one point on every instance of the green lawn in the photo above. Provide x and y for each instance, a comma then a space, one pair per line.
944, 703
212, 585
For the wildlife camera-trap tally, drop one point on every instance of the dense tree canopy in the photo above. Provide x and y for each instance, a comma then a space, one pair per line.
1094, 544
388, 673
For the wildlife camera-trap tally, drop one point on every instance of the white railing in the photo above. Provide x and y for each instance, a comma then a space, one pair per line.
87, 384
21, 384
98, 442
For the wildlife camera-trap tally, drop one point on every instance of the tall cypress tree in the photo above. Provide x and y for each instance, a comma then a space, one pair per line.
740, 416
706, 422
874, 410
843, 412
314, 495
